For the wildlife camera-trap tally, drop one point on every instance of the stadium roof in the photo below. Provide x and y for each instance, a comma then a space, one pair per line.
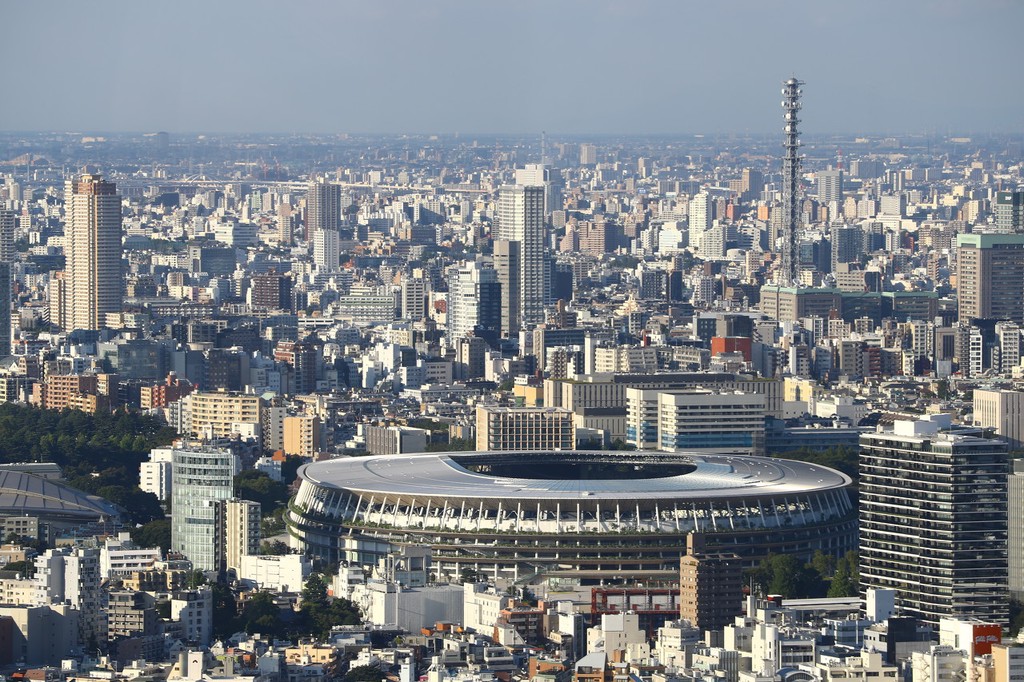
440, 475
23, 494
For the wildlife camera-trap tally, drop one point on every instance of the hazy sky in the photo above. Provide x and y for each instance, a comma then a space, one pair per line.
630, 66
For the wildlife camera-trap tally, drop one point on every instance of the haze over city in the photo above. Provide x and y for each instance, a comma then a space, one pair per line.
569, 67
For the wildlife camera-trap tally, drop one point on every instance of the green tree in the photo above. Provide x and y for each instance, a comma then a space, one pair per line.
26, 568
275, 548
320, 613
257, 486
364, 673
154, 534
262, 615
845, 582
225, 611
785, 575
824, 563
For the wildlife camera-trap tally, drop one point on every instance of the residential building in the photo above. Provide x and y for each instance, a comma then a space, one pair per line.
933, 519
302, 436
520, 219
92, 237
241, 532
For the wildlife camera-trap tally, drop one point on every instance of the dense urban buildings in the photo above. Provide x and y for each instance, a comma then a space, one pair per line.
550, 408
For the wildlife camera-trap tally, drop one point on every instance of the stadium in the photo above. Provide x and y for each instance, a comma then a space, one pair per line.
593, 517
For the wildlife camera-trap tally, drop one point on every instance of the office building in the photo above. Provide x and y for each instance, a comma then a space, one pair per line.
933, 519
202, 479
474, 302
991, 276
1003, 411
395, 440
1009, 210
751, 184
323, 207
684, 420
847, 245
241, 532
523, 428
830, 185
520, 220
92, 239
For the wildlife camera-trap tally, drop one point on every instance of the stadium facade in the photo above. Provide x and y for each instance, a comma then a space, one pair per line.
592, 517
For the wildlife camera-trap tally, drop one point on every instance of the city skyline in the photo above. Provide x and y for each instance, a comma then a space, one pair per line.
567, 68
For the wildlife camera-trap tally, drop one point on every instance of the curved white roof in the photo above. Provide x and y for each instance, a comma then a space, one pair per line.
24, 494
439, 475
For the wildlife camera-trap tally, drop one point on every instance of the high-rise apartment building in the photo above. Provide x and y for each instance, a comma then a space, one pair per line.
699, 210
710, 585
1009, 210
92, 239
991, 276
474, 301
8, 222
414, 297
241, 531
323, 207
933, 519
326, 249
202, 479
520, 217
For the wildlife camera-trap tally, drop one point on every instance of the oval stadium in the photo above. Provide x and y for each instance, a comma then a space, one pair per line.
593, 517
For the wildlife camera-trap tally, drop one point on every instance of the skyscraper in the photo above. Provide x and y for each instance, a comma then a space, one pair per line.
830, 185
323, 207
92, 238
933, 519
543, 175
699, 210
521, 220
991, 276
